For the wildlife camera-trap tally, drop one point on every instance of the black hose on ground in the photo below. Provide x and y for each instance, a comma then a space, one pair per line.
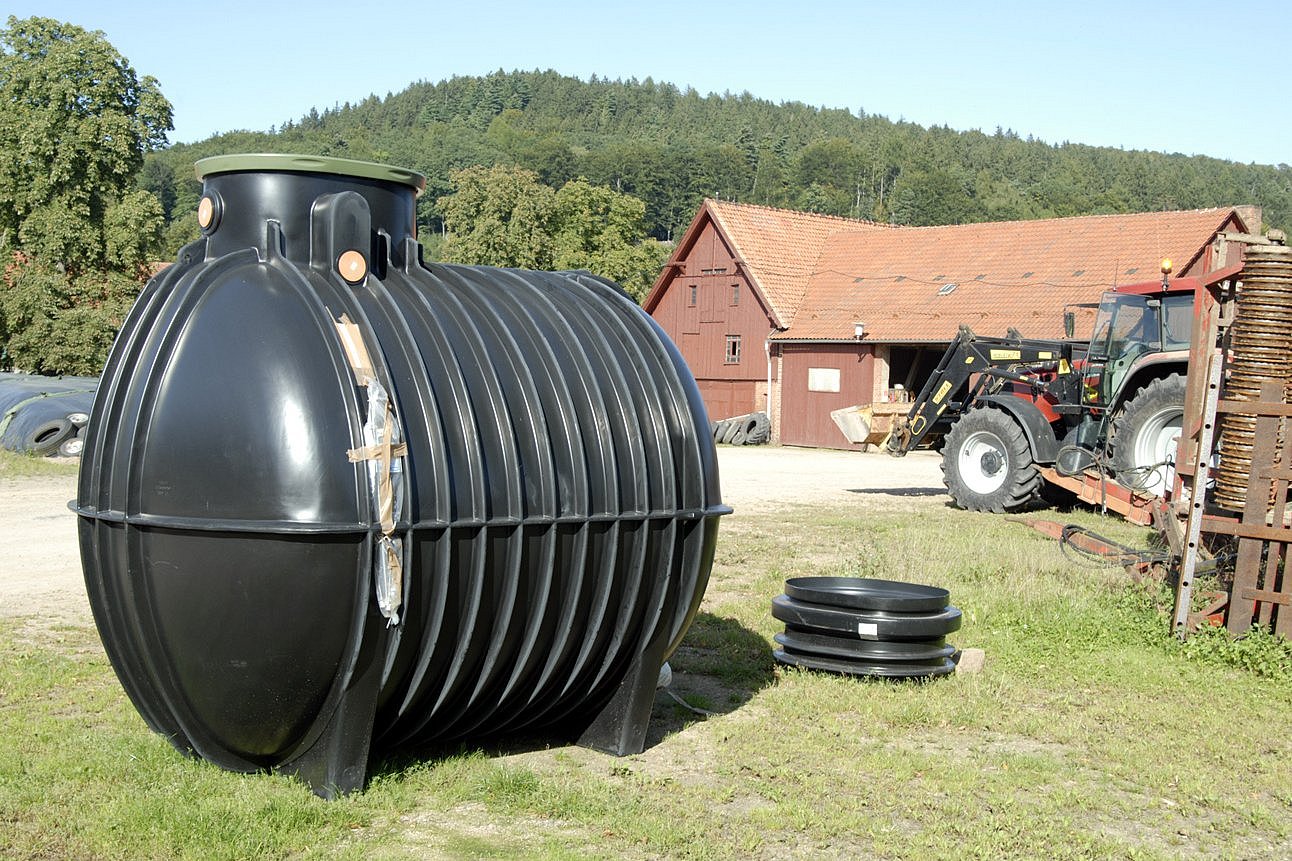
1117, 554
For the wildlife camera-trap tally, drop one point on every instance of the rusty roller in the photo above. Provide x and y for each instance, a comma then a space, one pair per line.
1261, 345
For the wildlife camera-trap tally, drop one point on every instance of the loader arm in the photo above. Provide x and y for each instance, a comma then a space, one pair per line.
947, 393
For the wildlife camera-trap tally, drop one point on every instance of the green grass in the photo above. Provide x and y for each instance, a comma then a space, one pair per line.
1089, 734
22, 465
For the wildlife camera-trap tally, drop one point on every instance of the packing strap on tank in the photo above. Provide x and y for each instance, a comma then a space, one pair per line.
383, 453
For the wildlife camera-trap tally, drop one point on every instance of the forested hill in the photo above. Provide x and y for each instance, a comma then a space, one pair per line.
672, 148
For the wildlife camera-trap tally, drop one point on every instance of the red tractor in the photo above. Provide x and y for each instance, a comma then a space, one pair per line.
1018, 414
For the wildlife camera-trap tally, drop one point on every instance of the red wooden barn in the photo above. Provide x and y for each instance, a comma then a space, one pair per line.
798, 314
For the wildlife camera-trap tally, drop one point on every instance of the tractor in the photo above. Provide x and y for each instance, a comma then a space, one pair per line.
1016, 416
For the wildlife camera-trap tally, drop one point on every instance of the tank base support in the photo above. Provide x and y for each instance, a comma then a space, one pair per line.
336, 763
620, 728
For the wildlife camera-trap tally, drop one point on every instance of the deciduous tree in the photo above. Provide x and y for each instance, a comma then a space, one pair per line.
605, 232
498, 216
503, 216
75, 122
75, 233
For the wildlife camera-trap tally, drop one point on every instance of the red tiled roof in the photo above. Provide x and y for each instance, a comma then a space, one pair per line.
779, 247
1007, 274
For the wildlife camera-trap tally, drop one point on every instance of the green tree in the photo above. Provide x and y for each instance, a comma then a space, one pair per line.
158, 179
831, 176
825, 199
75, 123
672, 148
770, 175
54, 325
503, 216
499, 216
933, 196
604, 232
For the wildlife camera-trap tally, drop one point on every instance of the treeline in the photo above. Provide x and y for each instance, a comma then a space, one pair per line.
671, 148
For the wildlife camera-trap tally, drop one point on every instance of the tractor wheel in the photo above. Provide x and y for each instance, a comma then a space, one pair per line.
1144, 435
987, 463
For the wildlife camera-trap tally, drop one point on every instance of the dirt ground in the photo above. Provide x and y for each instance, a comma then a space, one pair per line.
40, 566
762, 478
40, 563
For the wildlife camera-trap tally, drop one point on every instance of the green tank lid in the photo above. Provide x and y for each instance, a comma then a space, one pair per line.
273, 161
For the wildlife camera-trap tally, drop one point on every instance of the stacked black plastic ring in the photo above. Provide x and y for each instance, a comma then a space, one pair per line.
866, 627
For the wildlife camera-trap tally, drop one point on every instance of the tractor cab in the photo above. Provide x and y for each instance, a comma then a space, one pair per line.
1133, 325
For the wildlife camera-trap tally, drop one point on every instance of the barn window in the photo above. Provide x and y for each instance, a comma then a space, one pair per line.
695, 292
823, 379
733, 350
735, 294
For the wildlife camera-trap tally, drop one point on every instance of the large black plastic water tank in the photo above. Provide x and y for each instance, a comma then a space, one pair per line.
280, 584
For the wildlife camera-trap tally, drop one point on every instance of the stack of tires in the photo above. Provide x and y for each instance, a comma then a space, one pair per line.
750, 429
45, 416
866, 627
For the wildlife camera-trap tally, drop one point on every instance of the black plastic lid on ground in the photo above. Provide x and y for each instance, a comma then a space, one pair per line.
829, 646
865, 624
907, 670
864, 593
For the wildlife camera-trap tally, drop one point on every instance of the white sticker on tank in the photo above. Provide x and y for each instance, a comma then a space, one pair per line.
867, 629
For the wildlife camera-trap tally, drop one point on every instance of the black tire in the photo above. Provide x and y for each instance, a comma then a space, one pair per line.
730, 430
739, 438
71, 447
987, 463
1144, 434
46, 437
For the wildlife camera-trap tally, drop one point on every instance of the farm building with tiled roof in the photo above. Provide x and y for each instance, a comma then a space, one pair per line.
800, 314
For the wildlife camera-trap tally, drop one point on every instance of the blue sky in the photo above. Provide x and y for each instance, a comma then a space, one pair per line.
1186, 76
